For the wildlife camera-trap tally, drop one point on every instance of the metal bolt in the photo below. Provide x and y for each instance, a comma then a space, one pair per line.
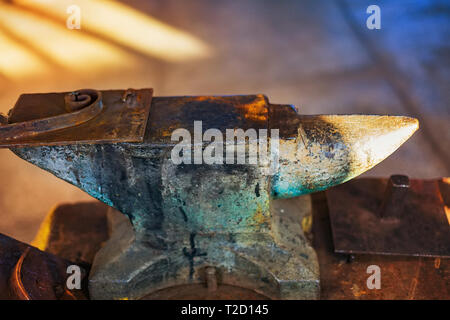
350, 258
127, 94
77, 100
393, 202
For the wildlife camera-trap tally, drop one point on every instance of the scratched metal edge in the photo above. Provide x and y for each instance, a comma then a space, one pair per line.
369, 252
66, 143
133, 139
146, 116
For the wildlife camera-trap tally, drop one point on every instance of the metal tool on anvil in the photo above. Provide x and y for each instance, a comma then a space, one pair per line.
194, 223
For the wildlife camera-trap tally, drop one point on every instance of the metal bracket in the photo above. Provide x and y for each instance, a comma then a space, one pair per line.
81, 117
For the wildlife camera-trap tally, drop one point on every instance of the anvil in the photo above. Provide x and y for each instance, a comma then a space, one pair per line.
191, 223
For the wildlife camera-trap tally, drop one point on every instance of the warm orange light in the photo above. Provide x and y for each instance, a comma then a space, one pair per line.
128, 27
447, 213
64, 47
256, 111
15, 60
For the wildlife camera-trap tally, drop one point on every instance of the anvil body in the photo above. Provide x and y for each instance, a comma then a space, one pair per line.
187, 217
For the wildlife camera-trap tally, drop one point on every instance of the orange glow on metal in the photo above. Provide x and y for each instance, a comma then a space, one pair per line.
256, 111
16, 278
447, 213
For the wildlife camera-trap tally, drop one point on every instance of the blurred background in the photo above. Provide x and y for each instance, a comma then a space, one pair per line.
318, 55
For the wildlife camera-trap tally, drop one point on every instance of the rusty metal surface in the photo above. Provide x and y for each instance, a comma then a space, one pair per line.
42, 119
381, 216
221, 112
344, 277
30, 274
79, 112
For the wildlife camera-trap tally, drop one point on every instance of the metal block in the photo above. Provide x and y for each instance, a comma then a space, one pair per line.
395, 216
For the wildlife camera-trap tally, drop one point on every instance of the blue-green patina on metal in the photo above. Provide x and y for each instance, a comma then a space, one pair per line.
189, 216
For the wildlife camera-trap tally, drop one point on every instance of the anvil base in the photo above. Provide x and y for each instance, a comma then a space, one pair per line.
75, 232
280, 265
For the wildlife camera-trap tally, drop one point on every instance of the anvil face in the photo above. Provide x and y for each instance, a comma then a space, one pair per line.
222, 212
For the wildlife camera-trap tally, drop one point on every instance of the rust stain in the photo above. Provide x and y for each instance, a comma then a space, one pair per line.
168, 131
437, 263
205, 98
78, 112
256, 111
259, 218
414, 282
357, 292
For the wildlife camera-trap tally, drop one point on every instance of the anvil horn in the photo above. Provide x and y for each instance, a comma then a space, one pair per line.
327, 150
